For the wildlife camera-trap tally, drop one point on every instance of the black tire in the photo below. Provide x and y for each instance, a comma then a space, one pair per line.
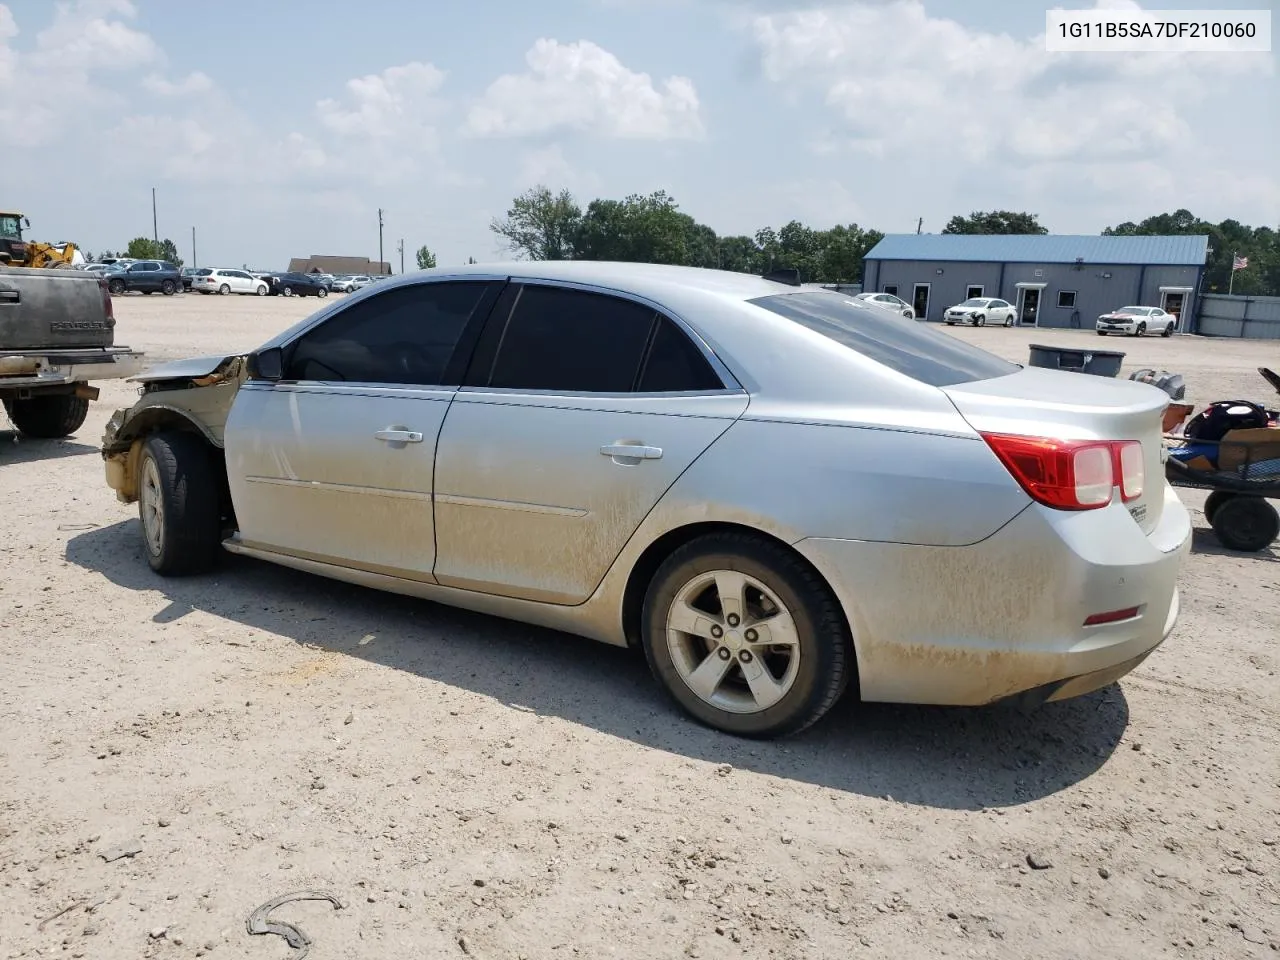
224, 290
48, 417
190, 529
979, 321
1008, 321
116, 287
168, 288
322, 292
1102, 333
1215, 500
826, 651
1168, 331
1141, 330
1246, 523
288, 291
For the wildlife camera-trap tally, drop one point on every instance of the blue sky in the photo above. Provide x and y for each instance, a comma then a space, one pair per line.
278, 129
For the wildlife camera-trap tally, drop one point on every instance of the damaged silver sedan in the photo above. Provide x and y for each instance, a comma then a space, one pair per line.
776, 493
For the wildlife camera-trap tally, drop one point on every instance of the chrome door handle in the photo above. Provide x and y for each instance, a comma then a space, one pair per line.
399, 436
631, 451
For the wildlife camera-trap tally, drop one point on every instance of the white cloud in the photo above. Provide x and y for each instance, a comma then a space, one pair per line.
984, 95
193, 83
584, 88
397, 102
83, 37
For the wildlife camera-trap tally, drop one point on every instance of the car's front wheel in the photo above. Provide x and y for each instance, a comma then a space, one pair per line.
262, 290
745, 636
1141, 330
979, 321
178, 504
288, 291
322, 292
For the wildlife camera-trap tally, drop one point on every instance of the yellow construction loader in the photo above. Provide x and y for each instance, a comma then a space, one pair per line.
16, 252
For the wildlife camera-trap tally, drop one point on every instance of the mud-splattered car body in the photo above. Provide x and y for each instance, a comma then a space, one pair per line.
774, 491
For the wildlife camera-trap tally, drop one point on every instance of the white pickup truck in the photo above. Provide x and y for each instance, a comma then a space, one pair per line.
57, 334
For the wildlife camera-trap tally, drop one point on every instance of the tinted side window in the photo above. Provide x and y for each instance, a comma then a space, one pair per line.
402, 335
910, 348
674, 363
572, 341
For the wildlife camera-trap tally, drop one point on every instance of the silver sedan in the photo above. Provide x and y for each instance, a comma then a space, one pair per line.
775, 493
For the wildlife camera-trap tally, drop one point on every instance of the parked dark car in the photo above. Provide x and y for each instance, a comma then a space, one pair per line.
146, 276
188, 275
297, 285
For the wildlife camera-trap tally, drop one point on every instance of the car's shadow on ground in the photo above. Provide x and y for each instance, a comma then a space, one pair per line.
948, 758
1204, 540
15, 448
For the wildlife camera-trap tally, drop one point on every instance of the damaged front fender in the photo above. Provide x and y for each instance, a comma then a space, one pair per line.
191, 396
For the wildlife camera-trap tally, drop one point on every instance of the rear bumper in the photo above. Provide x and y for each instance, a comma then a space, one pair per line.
978, 624
37, 370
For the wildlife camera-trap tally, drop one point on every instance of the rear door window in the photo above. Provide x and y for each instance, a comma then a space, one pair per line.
906, 346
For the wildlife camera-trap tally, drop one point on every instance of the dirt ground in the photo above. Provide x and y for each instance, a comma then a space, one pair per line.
468, 786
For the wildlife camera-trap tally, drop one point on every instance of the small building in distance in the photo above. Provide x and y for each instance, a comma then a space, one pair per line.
1052, 280
352, 266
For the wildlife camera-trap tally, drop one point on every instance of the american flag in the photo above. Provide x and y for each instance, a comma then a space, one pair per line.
1240, 263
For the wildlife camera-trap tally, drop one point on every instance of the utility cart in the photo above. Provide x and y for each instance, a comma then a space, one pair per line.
1242, 471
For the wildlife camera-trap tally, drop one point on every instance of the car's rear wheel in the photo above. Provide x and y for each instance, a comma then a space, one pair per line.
1141, 330
1246, 523
224, 289
1008, 321
48, 417
322, 292
168, 288
1215, 500
1167, 331
178, 504
116, 286
745, 636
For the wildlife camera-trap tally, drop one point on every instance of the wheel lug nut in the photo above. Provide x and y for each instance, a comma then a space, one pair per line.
724, 653
745, 656
752, 636
717, 632
733, 620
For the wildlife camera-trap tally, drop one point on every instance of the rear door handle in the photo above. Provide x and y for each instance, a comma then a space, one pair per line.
399, 436
631, 451
9, 296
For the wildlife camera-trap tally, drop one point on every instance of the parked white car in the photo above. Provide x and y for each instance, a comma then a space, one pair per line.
980, 311
888, 301
213, 280
1137, 322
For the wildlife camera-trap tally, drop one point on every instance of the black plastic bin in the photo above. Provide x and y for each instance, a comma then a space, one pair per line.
1100, 363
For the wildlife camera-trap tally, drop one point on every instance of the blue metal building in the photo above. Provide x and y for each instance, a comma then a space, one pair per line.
1053, 280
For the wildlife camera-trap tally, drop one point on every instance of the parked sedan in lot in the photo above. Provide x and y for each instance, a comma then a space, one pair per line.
887, 301
145, 276
352, 284
980, 311
775, 493
1137, 322
297, 285
217, 280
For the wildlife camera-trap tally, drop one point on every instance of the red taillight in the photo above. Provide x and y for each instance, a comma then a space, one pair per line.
107, 305
1071, 474
1131, 469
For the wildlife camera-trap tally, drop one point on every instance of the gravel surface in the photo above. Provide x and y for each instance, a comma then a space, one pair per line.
177, 752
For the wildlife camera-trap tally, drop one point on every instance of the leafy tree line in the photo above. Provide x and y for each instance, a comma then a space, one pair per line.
542, 225
144, 248
1230, 238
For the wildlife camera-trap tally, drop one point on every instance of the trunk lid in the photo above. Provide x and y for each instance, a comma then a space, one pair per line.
1075, 406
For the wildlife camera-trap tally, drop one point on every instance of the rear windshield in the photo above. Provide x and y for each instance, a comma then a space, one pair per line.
910, 347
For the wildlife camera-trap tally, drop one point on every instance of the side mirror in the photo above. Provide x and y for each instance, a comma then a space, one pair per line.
267, 364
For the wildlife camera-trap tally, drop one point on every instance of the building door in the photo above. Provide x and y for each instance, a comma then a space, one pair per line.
920, 301
1028, 305
1172, 303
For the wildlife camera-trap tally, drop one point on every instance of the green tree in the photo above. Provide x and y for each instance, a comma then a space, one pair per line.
540, 225
426, 259
639, 229
995, 221
144, 248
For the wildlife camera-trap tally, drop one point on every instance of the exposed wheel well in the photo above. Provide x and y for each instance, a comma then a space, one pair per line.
651, 559
162, 420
